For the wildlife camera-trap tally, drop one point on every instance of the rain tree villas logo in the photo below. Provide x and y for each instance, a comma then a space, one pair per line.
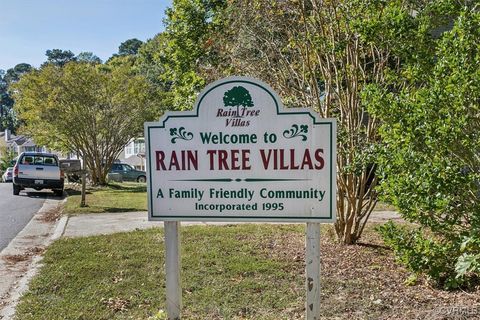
240, 101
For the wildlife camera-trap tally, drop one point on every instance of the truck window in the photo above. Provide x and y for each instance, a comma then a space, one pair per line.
27, 160
49, 161
39, 160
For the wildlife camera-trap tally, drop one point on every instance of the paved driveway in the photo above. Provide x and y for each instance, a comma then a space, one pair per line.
16, 211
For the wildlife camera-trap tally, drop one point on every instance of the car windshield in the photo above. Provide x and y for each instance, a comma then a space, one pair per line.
39, 160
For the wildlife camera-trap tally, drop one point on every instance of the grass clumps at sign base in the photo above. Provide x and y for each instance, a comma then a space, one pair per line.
116, 197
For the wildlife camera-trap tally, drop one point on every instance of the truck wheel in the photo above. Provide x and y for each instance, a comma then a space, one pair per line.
16, 190
142, 179
58, 193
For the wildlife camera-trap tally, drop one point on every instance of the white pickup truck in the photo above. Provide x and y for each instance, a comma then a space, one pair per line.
38, 171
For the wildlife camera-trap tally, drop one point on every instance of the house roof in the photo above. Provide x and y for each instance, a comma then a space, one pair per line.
17, 140
21, 140
29, 143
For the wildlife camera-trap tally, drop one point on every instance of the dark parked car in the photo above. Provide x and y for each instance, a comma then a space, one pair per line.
129, 173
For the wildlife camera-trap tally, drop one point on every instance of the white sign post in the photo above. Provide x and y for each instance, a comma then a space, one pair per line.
172, 269
240, 156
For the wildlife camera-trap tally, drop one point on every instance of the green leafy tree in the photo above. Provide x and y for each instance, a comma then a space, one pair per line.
237, 97
129, 47
59, 57
5, 101
6, 158
13, 74
184, 57
88, 57
93, 110
8, 119
431, 156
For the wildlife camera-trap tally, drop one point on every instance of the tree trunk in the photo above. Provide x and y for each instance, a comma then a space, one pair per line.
84, 183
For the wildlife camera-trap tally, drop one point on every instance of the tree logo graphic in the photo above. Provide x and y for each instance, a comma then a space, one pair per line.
237, 97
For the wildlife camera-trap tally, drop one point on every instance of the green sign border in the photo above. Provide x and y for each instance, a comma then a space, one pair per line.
253, 218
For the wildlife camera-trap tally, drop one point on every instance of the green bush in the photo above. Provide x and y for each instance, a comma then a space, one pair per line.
431, 157
6, 159
437, 258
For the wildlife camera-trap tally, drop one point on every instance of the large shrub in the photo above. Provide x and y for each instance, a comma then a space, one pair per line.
431, 160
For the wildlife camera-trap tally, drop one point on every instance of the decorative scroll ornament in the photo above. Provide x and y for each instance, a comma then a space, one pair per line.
296, 131
180, 133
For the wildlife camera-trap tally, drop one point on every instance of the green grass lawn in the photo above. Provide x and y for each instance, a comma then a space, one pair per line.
116, 197
229, 272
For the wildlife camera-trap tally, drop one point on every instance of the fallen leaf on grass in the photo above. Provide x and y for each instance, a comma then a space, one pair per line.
117, 279
116, 304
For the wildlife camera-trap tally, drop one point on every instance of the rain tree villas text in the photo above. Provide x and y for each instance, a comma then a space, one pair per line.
238, 159
237, 118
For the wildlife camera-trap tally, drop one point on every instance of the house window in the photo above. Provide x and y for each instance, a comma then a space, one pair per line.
129, 150
139, 146
135, 147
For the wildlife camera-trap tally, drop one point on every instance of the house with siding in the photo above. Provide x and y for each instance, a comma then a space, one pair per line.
134, 154
18, 144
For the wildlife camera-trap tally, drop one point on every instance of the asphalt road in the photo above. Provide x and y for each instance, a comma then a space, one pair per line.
16, 211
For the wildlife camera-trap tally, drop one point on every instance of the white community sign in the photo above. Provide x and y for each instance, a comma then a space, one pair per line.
239, 155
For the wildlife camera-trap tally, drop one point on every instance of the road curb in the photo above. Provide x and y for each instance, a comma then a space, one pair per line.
21, 259
60, 228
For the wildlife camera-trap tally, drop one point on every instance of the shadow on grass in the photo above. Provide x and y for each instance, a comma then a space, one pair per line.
73, 192
129, 188
113, 210
373, 246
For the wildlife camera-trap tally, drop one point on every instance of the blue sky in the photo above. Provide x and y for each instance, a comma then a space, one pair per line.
30, 27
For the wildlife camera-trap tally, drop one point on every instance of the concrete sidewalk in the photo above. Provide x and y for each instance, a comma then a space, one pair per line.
107, 223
